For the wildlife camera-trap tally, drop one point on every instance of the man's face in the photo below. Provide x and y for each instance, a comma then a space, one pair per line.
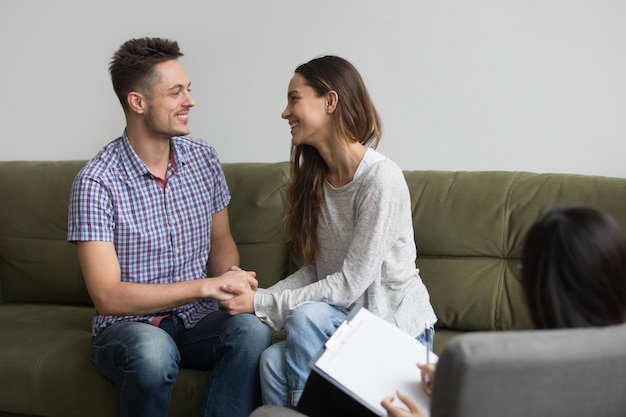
167, 109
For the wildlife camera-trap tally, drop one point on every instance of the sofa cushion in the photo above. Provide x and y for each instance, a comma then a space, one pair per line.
256, 211
469, 231
47, 367
461, 224
45, 357
36, 262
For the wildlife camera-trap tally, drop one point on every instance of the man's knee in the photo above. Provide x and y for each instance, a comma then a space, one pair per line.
154, 354
140, 351
251, 332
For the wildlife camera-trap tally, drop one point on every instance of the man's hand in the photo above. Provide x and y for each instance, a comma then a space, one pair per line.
234, 278
254, 284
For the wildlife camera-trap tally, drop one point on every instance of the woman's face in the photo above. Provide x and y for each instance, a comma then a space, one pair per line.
307, 114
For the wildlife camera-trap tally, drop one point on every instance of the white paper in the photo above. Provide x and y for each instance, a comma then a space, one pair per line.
373, 359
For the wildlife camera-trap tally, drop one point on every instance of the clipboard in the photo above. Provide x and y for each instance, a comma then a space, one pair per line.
369, 359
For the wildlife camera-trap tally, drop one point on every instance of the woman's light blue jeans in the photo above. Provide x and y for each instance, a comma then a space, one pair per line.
142, 360
285, 365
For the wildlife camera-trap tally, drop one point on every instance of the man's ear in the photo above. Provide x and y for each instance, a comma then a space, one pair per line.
136, 102
332, 98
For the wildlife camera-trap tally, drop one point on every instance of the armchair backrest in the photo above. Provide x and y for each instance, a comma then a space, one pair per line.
555, 373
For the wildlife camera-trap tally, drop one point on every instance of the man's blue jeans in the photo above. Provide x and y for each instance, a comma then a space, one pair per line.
142, 360
285, 365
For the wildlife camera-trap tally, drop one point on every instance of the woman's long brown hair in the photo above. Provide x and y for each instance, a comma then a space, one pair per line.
355, 119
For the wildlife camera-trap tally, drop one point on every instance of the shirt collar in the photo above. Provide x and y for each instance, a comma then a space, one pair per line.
136, 168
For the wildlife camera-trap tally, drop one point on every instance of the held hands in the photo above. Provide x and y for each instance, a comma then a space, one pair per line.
234, 278
238, 298
250, 277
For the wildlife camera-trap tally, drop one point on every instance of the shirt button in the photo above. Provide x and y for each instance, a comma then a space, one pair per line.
177, 279
173, 221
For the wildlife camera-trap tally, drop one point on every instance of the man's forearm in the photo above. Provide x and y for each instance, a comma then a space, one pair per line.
222, 258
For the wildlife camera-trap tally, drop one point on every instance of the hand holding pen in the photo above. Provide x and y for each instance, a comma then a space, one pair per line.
428, 369
428, 376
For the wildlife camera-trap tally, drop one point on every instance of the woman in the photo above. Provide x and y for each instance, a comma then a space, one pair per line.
573, 275
349, 222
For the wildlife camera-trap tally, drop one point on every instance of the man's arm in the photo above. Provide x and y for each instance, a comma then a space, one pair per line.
111, 296
223, 250
224, 253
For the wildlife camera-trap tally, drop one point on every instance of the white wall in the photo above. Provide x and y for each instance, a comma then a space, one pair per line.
460, 85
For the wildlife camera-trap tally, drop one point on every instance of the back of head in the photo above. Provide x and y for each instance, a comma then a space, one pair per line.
574, 269
132, 65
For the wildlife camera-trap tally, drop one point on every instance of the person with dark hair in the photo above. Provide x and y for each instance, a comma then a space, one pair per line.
149, 218
574, 269
573, 275
348, 221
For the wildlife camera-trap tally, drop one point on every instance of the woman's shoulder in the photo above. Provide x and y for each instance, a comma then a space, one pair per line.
382, 167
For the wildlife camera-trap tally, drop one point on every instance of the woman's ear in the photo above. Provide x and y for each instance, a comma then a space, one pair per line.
331, 101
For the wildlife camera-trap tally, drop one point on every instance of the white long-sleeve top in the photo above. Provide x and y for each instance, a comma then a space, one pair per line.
366, 254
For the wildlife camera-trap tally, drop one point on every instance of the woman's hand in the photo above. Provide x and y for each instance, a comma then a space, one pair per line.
393, 411
428, 376
241, 301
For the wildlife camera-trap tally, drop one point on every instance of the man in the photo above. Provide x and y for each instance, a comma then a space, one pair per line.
149, 218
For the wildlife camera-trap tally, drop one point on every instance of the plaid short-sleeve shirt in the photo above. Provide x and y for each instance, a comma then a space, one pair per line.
161, 235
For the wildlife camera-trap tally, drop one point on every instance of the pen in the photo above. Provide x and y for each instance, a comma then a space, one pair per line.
428, 344
429, 341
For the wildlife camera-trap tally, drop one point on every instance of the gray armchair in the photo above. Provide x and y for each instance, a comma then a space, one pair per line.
552, 373
537, 373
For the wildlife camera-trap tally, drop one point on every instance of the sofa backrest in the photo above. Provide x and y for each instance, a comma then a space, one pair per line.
556, 373
37, 265
256, 211
469, 231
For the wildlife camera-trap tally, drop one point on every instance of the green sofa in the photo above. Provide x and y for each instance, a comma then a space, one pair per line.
469, 228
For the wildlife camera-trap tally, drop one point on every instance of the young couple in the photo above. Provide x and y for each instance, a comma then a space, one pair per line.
149, 218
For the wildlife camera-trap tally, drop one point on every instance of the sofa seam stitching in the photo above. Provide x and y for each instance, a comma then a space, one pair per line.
505, 234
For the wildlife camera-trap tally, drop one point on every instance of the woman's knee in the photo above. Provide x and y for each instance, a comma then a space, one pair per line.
314, 315
272, 360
